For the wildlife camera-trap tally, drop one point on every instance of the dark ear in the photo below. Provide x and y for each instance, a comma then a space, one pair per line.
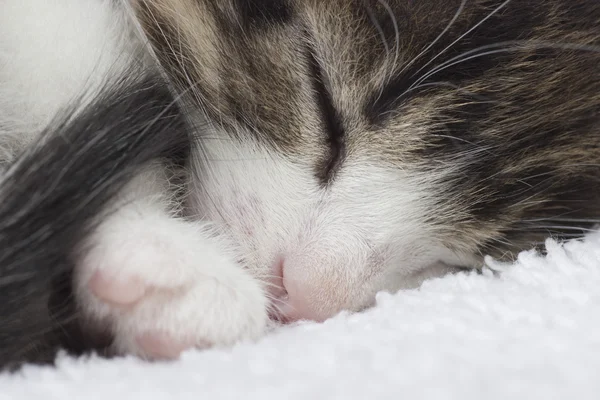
263, 13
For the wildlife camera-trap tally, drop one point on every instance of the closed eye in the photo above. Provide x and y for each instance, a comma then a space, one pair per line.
332, 122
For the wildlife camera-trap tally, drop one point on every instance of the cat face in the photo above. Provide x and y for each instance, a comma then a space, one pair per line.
347, 147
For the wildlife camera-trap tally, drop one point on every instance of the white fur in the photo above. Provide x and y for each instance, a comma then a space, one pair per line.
195, 292
52, 52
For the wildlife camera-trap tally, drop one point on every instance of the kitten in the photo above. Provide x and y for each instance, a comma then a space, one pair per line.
329, 150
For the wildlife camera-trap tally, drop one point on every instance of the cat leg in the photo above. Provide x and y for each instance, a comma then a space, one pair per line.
161, 284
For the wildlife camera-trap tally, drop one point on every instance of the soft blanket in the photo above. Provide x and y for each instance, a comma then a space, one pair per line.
531, 332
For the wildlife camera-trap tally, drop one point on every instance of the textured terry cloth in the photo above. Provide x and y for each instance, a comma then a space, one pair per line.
531, 332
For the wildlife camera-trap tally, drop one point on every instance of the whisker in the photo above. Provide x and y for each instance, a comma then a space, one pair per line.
515, 45
452, 21
582, 220
381, 33
558, 227
463, 35
479, 97
396, 38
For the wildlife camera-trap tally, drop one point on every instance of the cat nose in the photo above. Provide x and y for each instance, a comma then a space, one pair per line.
290, 302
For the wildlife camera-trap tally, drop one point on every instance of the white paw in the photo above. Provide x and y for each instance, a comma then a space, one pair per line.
163, 285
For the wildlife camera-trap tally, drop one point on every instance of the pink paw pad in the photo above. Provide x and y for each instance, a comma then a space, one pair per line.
116, 291
162, 346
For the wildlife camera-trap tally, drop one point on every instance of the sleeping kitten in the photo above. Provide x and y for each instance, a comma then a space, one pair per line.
338, 148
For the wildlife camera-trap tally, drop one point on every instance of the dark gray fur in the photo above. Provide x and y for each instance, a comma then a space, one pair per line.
52, 196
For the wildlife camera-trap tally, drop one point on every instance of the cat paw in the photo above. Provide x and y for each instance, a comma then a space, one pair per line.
162, 286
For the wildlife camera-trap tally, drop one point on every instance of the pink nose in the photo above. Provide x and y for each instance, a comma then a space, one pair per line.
290, 302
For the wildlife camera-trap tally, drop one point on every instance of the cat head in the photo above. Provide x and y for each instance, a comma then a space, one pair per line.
351, 146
